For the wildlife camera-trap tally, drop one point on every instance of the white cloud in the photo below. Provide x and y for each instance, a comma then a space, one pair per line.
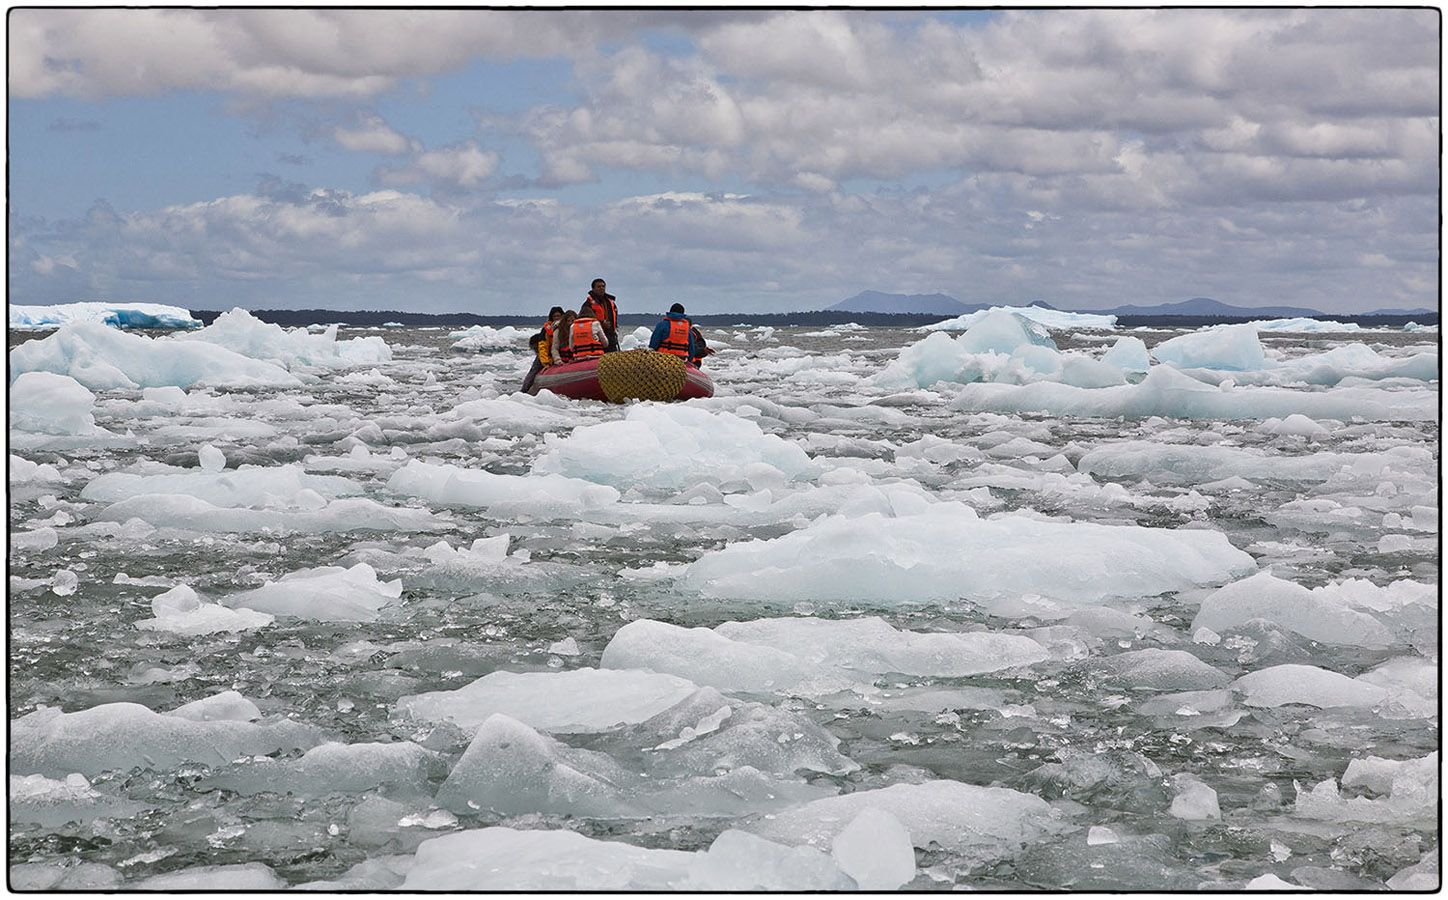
372, 135
465, 166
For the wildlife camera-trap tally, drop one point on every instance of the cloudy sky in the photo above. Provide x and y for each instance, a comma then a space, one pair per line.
497, 161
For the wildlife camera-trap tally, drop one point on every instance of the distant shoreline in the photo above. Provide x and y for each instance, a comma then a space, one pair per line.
366, 318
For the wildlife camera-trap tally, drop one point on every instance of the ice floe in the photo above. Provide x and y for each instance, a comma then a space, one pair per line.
116, 315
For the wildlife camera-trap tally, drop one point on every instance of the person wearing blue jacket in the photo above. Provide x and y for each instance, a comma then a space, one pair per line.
674, 334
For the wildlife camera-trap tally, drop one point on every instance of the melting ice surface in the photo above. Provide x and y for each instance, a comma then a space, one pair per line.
1011, 604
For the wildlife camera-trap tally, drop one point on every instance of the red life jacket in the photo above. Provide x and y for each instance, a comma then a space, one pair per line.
677, 340
605, 310
582, 341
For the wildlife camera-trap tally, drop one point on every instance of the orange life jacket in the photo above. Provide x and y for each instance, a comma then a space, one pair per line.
677, 340
584, 344
605, 311
701, 349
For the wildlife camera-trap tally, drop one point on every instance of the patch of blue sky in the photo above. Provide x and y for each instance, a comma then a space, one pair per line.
136, 153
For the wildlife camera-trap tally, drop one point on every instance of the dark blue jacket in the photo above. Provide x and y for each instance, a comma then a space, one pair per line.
661, 331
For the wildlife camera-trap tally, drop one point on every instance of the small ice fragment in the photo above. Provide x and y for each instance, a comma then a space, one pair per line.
875, 850
1280, 851
212, 459
64, 583
1206, 636
1395, 543
1100, 834
1195, 800
1270, 882
566, 647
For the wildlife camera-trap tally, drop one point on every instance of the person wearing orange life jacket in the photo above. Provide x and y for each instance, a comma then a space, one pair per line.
603, 306
674, 334
562, 332
542, 344
587, 339
701, 349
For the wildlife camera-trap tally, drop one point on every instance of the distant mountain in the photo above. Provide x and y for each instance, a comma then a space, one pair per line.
1205, 306
1420, 311
914, 304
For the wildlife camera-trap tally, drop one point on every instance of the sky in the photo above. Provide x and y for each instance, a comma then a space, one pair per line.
497, 161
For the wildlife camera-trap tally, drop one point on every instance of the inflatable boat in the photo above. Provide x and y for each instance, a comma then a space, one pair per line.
626, 375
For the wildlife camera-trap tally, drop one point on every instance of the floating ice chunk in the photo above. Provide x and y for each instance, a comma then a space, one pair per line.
212, 459
64, 583
580, 700
566, 647
35, 799
946, 551
1423, 875
517, 413
1270, 882
1097, 835
1167, 392
1233, 348
126, 735
245, 877
377, 874
1312, 614
1163, 670
116, 315
1305, 326
672, 447
1295, 425
240, 332
740, 861
23, 470
1193, 464
875, 850
102, 358
869, 645
540, 495
1415, 328
1308, 685
1194, 799
1085, 372
184, 511
249, 486
227, 706
486, 337
1334, 366
78, 877
43, 538
1412, 686
180, 611
640, 337
510, 769
327, 593
493, 859
1057, 319
1407, 792
702, 656
52, 404
335, 768
980, 824
1128, 354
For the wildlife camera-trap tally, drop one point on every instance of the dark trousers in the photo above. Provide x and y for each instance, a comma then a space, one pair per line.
532, 374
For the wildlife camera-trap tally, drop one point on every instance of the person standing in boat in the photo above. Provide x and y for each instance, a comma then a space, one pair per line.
542, 344
674, 334
603, 306
587, 338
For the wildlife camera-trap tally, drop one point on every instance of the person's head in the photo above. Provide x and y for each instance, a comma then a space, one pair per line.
567, 317
555, 314
677, 308
598, 285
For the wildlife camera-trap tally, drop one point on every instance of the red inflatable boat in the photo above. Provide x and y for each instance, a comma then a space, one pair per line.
626, 375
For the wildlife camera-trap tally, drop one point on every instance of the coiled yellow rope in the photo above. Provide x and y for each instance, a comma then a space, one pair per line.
640, 375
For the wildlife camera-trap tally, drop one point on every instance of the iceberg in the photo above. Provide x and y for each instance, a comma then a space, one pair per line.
1306, 685
102, 358
326, 594
240, 332
1233, 348
1055, 319
545, 496
1314, 614
1305, 326
115, 315
181, 612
